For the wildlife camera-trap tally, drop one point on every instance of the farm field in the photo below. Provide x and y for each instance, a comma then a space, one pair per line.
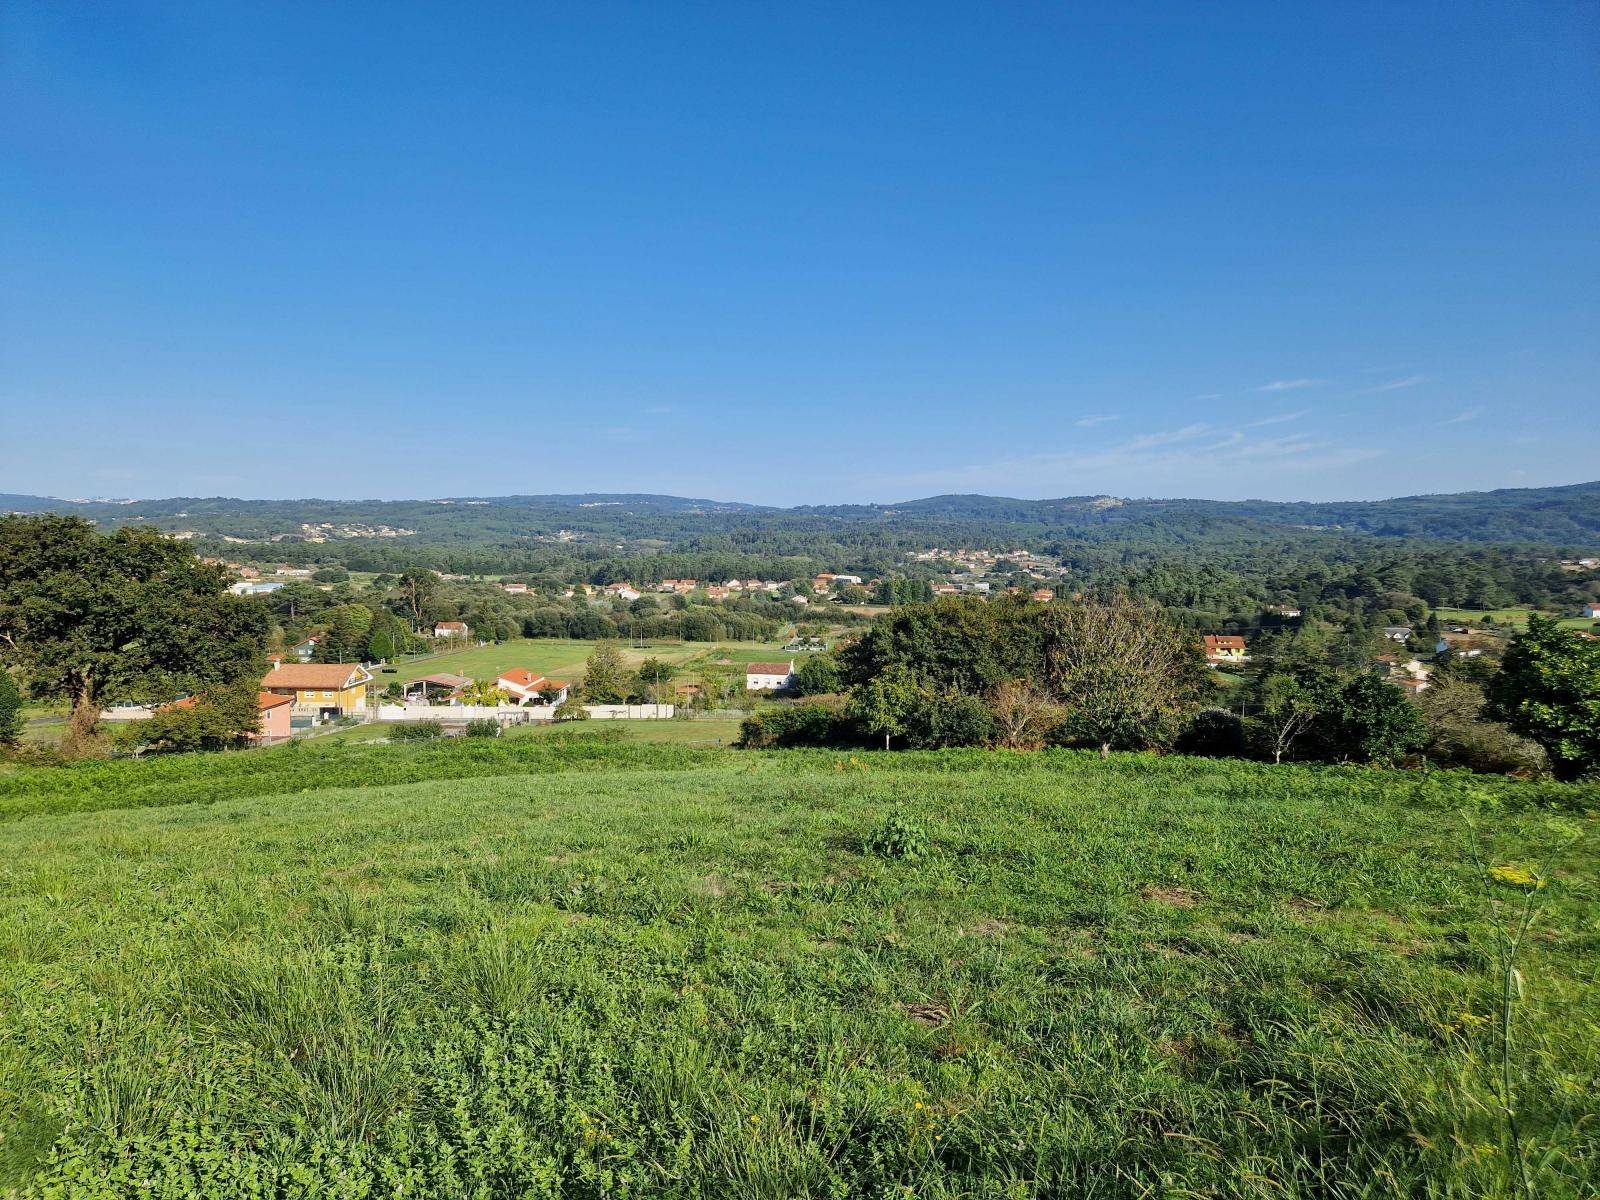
1517, 617
563, 658
573, 964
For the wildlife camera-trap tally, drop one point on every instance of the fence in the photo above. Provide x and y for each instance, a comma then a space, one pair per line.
510, 714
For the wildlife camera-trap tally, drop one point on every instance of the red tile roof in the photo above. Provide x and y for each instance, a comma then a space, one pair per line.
326, 676
769, 668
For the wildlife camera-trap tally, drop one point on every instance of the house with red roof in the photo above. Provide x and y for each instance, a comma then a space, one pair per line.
526, 688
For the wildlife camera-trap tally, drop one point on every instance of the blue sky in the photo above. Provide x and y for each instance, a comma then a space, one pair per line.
798, 253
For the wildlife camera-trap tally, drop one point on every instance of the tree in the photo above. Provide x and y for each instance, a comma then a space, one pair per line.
1287, 706
482, 691
1370, 721
386, 640
10, 709
652, 674
816, 675
604, 680
883, 704
1024, 716
91, 617
349, 627
1123, 672
416, 588
1548, 690
223, 717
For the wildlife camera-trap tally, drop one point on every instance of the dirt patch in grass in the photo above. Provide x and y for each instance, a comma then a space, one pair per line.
929, 1015
1172, 897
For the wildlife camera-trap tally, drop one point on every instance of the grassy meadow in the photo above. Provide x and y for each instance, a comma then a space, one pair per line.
564, 658
574, 964
1513, 617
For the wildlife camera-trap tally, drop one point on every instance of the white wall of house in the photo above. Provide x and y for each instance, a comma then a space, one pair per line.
766, 683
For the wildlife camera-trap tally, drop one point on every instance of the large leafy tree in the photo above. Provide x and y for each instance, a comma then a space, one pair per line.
91, 618
1123, 673
605, 681
1548, 690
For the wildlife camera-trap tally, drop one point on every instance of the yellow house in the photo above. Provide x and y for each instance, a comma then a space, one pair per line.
326, 689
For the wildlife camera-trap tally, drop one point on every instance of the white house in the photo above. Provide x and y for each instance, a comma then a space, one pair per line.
768, 676
451, 629
514, 589
524, 687
622, 591
1591, 610
246, 587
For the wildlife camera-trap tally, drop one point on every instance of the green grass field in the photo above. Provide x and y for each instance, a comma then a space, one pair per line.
563, 658
574, 965
1517, 617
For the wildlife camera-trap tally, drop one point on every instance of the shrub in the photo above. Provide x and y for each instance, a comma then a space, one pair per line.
416, 731
572, 711
797, 725
938, 722
483, 727
10, 709
899, 837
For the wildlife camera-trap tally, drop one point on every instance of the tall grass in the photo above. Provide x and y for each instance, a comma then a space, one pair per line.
623, 970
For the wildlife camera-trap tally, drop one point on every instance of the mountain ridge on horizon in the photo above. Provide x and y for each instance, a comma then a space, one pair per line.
1566, 515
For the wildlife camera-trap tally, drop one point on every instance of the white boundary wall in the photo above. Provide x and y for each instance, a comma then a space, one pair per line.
510, 714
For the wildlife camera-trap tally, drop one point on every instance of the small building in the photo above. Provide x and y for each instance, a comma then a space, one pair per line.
1042, 595
823, 582
1397, 633
322, 690
275, 725
247, 587
623, 591
768, 676
527, 688
800, 601
1592, 611
716, 594
945, 589
451, 629
306, 650
433, 688
681, 587
514, 589
1285, 612
1223, 648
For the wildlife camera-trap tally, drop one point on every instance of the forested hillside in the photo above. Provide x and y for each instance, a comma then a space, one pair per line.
1562, 516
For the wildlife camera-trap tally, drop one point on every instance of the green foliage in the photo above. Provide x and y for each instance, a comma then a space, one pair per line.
605, 679
1548, 690
220, 718
882, 704
483, 727
348, 634
1213, 733
487, 968
1369, 721
90, 617
817, 675
899, 837
797, 725
416, 731
10, 709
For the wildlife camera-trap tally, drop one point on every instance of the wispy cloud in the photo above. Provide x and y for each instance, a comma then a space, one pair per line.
1280, 419
1091, 422
1465, 415
658, 410
1290, 385
1207, 396
1394, 385
1191, 453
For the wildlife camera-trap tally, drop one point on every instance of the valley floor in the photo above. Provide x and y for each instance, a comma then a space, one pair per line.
578, 965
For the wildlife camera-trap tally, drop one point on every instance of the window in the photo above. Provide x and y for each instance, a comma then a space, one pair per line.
326, 695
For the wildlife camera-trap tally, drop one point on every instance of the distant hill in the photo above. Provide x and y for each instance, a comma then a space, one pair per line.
1566, 516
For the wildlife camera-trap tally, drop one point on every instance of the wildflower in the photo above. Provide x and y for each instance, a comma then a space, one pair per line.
1514, 876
